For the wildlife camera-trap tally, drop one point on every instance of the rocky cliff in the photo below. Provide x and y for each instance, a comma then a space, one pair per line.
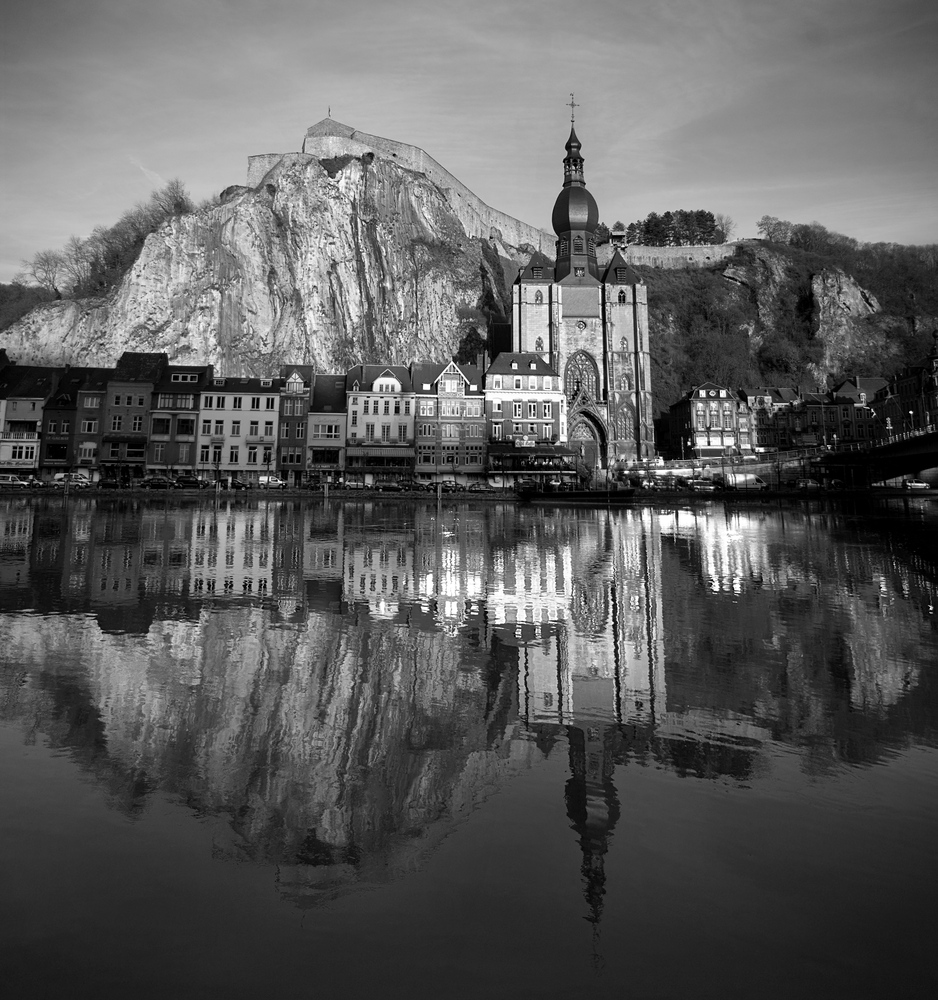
327, 262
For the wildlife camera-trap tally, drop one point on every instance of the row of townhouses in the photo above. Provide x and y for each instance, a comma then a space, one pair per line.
372, 424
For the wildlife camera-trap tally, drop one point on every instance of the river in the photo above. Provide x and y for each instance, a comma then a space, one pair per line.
273, 747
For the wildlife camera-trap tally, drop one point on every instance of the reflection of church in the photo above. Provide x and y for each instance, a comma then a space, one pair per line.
591, 327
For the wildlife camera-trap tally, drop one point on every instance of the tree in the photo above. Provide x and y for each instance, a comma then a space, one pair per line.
725, 228
44, 269
774, 230
602, 234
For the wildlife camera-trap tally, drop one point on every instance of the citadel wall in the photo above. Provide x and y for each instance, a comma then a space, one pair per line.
678, 257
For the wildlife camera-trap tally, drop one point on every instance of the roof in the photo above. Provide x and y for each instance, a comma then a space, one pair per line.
204, 371
367, 375
75, 380
328, 394
30, 381
542, 261
428, 373
620, 272
329, 126
140, 367
502, 365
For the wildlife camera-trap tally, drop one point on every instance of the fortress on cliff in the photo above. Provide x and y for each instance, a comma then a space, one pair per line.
329, 139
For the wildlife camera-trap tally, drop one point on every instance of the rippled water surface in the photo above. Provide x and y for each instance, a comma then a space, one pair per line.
474, 750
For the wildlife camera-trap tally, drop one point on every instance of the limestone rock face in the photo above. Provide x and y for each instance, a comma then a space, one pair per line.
326, 262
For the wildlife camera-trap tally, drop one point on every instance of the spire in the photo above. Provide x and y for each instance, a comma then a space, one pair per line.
575, 217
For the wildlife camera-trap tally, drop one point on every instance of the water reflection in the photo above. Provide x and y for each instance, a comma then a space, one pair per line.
342, 684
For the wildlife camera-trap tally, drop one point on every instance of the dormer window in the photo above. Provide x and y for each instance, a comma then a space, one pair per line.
532, 365
266, 383
219, 381
514, 365
537, 272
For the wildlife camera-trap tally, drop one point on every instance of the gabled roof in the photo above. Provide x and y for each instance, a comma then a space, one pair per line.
428, 373
708, 387
140, 367
328, 394
75, 380
542, 261
620, 272
329, 126
852, 387
367, 375
502, 365
203, 371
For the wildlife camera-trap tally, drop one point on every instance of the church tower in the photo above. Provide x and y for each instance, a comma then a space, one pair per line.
591, 326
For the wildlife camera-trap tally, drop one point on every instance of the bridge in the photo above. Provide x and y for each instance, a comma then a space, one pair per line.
905, 454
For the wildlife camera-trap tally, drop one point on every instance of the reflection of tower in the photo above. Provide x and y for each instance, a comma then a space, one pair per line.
592, 806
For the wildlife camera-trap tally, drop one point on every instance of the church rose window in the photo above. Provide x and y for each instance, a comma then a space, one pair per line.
581, 375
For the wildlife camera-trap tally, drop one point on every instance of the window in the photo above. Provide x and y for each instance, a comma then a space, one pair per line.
206, 426
402, 432
538, 295
270, 402
579, 272
300, 431
268, 428
369, 432
117, 399
286, 408
497, 431
203, 453
517, 381
354, 419
385, 432
284, 429
117, 422
140, 400
537, 272
406, 407
160, 425
267, 455
219, 402
517, 409
236, 428
219, 428
67, 425
496, 381
185, 425
165, 400
87, 451
252, 455
233, 456
136, 424
545, 411
236, 402
255, 402
92, 402
397, 407
496, 406
159, 452
184, 454
216, 454
532, 382
53, 427
387, 407
532, 410
207, 402
114, 451
253, 430
450, 431
622, 298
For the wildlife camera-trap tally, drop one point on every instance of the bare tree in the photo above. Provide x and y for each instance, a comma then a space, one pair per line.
726, 227
44, 269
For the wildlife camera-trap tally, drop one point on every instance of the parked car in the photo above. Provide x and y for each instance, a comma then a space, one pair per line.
915, 484
807, 484
448, 486
157, 483
481, 488
74, 480
191, 482
703, 486
389, 487
271, 483
9, 481
232, 484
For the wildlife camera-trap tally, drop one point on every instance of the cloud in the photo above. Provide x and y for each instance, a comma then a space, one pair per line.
154, 178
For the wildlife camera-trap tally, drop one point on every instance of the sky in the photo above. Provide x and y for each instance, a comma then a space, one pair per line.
807, 110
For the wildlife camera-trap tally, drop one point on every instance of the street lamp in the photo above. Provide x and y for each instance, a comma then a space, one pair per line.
911, 421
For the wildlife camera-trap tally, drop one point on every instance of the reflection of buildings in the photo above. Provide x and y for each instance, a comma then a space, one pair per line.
341, 684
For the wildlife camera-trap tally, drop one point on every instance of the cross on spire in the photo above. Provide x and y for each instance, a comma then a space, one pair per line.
573, 104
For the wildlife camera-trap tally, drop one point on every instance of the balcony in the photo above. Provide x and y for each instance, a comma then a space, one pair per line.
20, 436
260, 439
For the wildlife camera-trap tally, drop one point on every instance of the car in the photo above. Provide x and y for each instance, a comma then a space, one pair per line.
352, 484
915, 484
703, 486
231, 484
186, 481
271, 483
157, 483
448, 486
73, 480
807, 484
9, 481
389, 487
481, 488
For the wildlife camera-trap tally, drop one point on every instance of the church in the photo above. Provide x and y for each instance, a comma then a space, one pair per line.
591, 326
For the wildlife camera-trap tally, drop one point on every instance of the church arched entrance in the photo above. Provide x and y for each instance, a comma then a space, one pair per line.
588, 442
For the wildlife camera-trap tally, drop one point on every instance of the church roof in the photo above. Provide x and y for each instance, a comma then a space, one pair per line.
538, 260
329, 126
621, 272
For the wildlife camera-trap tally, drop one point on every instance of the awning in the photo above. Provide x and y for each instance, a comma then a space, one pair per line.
352, 452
